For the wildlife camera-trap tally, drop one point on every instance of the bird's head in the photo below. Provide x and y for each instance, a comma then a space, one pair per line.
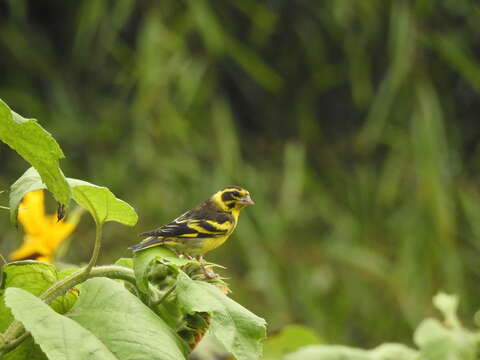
232, 198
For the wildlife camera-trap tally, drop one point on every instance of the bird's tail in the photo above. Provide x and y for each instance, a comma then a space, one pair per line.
147, 243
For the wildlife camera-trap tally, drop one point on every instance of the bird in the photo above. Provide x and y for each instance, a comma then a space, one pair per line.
202, 229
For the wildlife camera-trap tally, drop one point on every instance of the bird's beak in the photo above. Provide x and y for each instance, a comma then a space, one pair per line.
246, 200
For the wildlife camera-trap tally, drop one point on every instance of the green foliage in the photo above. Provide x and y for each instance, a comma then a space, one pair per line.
361, 150
337, 352
110, 320
448, 340
29, 181
436, 340
291, 338
27, 350
143, 262
196, 306
102, 204
97, 200
37, 147
34, 277
59, 337
129, 328
126, 262
239, 330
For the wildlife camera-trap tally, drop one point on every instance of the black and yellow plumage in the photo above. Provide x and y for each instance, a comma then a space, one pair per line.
203, 228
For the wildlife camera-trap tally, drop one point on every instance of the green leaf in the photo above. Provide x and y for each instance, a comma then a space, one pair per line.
125, 262
238, 329
338, 352
448, 306
59, 337
291, 338
27, 350
36, 146
98, 200
102, 204
34, 277
29, 181
66, 272
129, 328
450, 341
145, 259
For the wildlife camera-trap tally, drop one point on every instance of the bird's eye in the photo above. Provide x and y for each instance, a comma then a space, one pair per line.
229, 196
236, 194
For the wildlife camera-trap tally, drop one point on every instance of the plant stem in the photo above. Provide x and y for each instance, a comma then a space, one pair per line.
61, 287
110, 271
114, 272
13, 343
12, 331
96, 248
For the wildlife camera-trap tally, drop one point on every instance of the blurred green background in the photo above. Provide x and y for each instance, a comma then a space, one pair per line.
353, 123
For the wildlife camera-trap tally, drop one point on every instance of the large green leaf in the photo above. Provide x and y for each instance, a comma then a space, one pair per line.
238, 329
338, 352
102, 204
38, 147
59, 337
124, 324
34, 277
98, 200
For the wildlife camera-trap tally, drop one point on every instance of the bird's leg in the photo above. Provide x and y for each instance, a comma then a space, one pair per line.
189, 257
208, 274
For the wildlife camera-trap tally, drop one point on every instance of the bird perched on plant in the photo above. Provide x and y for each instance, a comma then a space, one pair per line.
203, 228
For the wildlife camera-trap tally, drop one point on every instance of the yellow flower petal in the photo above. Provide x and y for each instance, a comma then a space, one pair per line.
57, 232
31, 212
31, 248
45, 259
43, 233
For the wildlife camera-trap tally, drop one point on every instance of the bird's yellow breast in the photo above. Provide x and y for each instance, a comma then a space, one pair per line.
209, 244
212, 243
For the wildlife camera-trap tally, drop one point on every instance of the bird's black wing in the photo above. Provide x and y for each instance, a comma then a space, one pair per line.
196, 223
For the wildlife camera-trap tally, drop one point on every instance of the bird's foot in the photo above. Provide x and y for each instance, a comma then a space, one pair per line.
206, 273
209, 274
189, 257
